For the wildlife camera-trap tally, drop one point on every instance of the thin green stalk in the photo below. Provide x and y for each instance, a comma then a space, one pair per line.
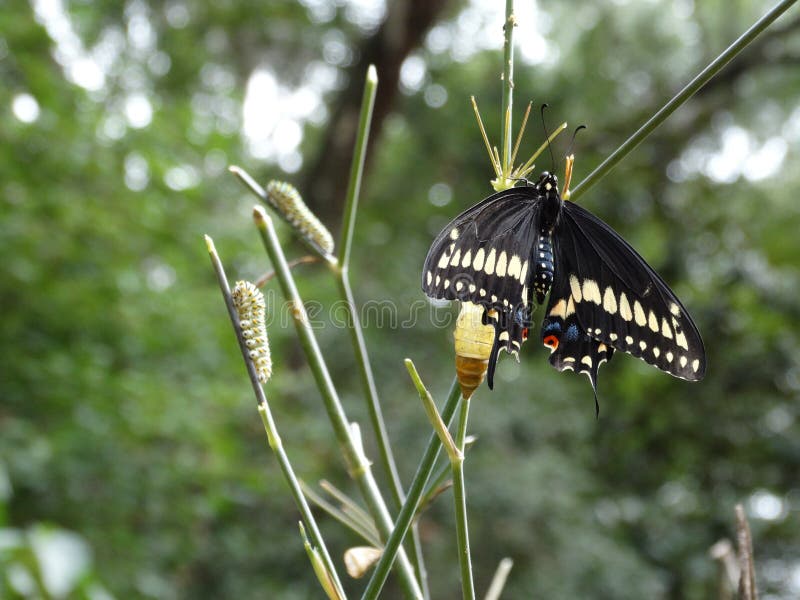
343, 281
370, 390
460, 499
409, 509
681, 97
320, 570
365, 529
455, 452
508, 84
357, 166
434, 417
273, 437
342, 275
357, 463
378, 423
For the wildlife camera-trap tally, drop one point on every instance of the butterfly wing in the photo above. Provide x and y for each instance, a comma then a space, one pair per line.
618, 299
482, 257
510, 332
571, 348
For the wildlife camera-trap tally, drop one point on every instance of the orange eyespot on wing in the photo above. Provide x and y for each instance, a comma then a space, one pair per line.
551, 342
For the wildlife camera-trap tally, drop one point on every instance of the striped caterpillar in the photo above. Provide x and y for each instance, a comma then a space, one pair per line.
251, 308
285, 198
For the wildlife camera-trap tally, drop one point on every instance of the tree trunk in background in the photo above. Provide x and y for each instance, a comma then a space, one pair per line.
325, 180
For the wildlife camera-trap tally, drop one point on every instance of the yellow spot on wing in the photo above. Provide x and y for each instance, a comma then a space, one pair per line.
501, 265
591, 291
666, 331
570, 307
514, 267
609, 301
652, 321
638, 314
523, 274
467, 258
559, 309
479, 256
624, 307
575, 286
489, 266
680, 339
456, 258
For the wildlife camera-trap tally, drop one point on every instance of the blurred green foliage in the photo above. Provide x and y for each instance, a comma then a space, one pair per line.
126, 415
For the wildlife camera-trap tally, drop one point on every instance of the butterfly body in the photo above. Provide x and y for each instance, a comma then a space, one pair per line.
510, 250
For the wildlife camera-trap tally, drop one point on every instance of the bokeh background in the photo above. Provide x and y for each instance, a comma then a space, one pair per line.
132, 459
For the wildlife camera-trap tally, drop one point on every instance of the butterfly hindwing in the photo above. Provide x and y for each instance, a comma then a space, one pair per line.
572, 349
510, 332
619, 299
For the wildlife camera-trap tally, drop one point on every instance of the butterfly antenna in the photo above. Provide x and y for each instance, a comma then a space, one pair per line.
568, 162
547, 137
574, 135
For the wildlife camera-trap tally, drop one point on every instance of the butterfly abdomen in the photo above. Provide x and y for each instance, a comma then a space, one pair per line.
543, 259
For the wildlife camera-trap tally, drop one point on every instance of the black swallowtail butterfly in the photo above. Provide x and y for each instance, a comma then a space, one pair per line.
526, 241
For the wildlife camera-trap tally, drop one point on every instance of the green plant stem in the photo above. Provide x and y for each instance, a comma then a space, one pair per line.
320, 570
460, 499
349, 441
378, 424
365, 529
370, 390
680, 98
508, 85
341, 273
357, 166
411, 503
273, 437
434, 417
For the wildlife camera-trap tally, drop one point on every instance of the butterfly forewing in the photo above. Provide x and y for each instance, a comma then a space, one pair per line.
482, 256
620, 300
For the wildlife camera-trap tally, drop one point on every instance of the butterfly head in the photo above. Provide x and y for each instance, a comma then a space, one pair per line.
548, 183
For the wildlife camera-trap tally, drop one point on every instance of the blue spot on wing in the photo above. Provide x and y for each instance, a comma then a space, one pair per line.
551, 326
573, 333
